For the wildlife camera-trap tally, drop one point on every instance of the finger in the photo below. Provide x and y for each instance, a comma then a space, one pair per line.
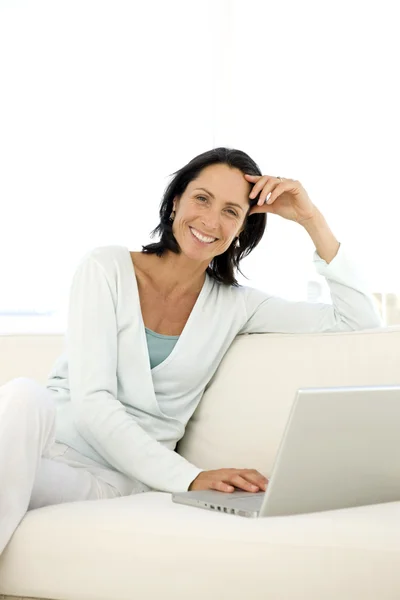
258, 186
268, 189
279, 189
252, 177
243, 484
275, 192
262, 482
221, 486
254, 476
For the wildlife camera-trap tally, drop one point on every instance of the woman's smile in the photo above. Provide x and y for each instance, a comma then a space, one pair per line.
200, 238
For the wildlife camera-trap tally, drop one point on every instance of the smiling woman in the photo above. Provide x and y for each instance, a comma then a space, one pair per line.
204, 217
118, 400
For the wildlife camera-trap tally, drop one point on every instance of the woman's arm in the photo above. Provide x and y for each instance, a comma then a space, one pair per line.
99, 416
353, 307
325, 242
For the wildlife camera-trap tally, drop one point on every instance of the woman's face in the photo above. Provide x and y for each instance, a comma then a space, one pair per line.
214, 207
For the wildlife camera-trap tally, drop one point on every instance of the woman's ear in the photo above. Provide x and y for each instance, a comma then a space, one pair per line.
175, 202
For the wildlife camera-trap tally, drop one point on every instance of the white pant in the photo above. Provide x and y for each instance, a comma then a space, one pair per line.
37, 471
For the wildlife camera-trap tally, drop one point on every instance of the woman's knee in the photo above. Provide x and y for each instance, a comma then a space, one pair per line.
28, 393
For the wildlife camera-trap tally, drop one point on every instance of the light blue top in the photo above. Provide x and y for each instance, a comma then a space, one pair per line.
160, 346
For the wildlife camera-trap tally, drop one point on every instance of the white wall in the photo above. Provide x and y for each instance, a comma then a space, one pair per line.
101, 101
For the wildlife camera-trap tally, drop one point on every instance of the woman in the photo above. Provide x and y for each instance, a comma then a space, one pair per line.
147, 331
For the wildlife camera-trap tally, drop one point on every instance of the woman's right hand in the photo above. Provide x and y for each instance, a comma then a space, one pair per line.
225, 480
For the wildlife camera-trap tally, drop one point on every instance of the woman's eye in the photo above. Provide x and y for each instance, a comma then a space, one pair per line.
232, 212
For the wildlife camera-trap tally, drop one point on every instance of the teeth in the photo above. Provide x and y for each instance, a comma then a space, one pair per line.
202, 238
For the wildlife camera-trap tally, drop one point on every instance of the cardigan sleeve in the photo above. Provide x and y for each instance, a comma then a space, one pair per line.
353, 306
100, 418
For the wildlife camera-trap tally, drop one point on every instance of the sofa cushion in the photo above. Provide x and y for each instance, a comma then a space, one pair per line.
146, 546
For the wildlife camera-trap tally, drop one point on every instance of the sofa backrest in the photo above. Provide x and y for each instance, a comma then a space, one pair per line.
29, 355
241, 417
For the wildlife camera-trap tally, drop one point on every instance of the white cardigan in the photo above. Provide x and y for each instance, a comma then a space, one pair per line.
115, 409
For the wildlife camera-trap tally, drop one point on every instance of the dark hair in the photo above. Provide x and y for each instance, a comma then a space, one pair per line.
222, 267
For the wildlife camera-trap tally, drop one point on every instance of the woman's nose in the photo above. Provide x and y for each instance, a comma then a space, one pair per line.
210, 220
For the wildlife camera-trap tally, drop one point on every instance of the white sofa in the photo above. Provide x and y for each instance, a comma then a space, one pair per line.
145, 546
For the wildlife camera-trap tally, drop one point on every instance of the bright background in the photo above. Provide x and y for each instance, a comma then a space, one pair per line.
102, 100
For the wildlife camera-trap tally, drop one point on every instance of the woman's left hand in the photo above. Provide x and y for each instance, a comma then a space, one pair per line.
288, 198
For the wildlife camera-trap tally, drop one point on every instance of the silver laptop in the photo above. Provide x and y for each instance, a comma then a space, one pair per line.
340, 448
